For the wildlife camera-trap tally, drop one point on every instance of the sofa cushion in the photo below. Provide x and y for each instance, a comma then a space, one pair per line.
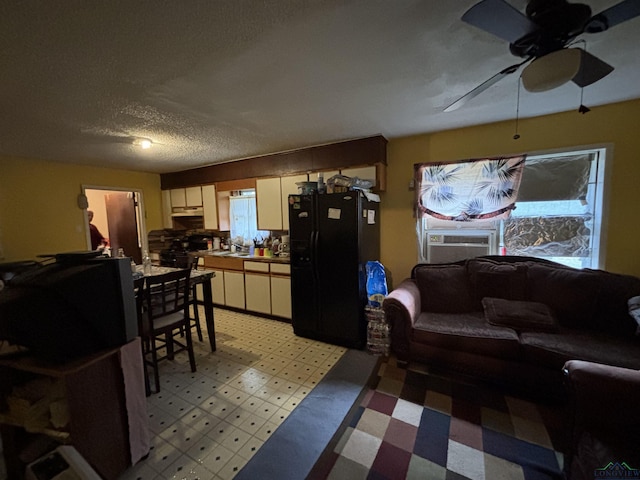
467, 332
521, 316
497, 280
554, 349
444, 288
572, 294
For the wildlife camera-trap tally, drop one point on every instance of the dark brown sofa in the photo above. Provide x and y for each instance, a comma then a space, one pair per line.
513, 321
603, 402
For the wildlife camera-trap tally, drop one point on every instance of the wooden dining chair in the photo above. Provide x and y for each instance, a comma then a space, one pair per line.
138, 285
194, 321
165, 317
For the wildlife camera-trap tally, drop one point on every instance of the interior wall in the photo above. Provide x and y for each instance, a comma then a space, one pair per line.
39, 212
617, 125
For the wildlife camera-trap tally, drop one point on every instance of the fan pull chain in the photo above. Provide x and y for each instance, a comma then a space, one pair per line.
516, 136
583, 109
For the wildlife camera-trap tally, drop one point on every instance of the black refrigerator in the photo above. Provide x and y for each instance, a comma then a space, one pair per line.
332, 236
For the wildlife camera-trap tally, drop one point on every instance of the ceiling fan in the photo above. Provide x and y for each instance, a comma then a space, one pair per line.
543, 37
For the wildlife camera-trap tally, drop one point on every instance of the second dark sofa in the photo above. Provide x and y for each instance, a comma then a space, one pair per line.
513, 321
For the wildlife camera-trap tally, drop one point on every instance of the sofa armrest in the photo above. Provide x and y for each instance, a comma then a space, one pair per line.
606, 399
402, 308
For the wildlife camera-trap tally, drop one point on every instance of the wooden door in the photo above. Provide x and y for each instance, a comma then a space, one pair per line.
123, 225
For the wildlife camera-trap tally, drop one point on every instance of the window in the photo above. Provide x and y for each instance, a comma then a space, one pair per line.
557, 215
242, 215
559, 209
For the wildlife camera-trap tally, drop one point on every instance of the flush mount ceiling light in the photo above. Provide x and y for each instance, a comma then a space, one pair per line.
143, 143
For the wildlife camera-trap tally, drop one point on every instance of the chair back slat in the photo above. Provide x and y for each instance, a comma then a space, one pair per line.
167, 293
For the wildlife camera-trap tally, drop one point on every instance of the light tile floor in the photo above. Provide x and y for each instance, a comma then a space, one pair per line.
208, 424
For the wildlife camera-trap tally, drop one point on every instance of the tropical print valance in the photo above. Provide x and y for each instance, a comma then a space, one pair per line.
468, 190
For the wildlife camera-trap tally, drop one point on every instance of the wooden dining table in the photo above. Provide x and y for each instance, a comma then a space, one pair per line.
202, 277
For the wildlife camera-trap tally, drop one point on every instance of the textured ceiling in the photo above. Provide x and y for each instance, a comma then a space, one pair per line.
216, 80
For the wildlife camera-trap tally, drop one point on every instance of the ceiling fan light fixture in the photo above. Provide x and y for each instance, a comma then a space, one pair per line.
552, 70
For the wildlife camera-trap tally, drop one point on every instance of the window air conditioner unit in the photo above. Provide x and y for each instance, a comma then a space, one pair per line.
444, 246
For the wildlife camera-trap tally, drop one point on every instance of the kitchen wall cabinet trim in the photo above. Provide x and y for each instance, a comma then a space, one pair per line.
362, 151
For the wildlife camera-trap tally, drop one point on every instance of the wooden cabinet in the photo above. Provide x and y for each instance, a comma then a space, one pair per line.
217, 287
269, 203
234, 289
210, 207
95, 391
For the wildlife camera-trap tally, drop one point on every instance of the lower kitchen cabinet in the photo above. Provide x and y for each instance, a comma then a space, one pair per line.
217, 287
234, 289
257, 292
281, 296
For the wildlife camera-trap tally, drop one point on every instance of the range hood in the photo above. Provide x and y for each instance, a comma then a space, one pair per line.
187, 212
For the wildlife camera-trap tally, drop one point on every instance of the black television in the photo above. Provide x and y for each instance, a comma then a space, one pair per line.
78, 305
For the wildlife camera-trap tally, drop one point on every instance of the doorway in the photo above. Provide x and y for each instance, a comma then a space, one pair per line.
118, 214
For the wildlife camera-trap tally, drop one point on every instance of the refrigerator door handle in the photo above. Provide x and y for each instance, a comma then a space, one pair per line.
314, 252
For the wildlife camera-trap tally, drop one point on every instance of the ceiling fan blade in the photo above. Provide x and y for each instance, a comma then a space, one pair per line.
591, 69
621, 12
483, 86
500, 19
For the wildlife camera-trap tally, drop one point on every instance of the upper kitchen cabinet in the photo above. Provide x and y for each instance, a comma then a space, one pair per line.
210, 207
269, 203
363, 173
186, 197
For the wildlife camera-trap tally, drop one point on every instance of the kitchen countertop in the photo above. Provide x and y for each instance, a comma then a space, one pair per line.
243, 256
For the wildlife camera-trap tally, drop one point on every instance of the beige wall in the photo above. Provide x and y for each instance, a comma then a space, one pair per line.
617, 125
38, 204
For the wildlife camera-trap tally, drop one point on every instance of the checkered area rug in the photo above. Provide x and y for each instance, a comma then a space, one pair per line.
416, 425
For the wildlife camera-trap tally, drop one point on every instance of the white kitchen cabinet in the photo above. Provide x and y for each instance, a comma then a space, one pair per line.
281, 296
210, 207
193, 196
234, 289
288, 187
167, 221
217, 287
178, 197
269, 203
186, 197
257, 292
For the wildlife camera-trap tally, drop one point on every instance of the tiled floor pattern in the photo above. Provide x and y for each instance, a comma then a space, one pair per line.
207, 425
414, 425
